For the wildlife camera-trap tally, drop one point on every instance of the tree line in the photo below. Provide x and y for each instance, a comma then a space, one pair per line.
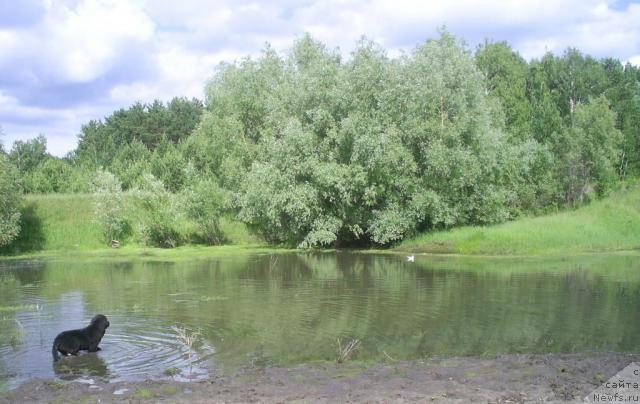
312, 149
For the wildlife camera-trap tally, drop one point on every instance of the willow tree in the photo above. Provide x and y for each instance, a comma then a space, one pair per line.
324, 151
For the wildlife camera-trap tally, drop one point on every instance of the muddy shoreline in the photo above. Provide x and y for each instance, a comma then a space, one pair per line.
503, 379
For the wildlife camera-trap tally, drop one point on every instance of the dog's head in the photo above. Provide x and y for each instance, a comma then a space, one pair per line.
100, 322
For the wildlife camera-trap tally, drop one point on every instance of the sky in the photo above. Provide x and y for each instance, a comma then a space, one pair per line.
66, 62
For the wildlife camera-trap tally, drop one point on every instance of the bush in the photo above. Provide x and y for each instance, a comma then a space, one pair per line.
9, 202
157, 214
51, 175
109, 209
204, 202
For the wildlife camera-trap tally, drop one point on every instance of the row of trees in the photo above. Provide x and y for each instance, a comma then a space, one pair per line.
311, 149
130, 142
318, 151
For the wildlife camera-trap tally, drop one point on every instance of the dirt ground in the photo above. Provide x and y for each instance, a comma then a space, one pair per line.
503, 379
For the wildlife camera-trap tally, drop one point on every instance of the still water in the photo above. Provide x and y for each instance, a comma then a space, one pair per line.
266, 310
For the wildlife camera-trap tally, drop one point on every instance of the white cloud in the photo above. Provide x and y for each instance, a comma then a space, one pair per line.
531, 27
27, 122
85, 41
84, 58
180, 73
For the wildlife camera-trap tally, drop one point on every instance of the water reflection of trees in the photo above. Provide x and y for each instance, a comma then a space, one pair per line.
293, 307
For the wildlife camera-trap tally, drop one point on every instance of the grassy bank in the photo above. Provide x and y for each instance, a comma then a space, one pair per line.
56, 224
610, 224
62, 224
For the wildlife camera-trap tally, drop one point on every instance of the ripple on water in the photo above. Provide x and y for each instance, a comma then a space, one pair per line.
295, 308
152, 350
132, 349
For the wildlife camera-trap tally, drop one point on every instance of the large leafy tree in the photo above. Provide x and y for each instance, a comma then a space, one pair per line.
589, 151
369, 150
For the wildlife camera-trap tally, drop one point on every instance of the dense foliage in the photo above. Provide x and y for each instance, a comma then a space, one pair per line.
584, 111
156, 214
311, 150
372, 149
9, 202
109, 207
141, 139
204, 202
322, 152
10, 199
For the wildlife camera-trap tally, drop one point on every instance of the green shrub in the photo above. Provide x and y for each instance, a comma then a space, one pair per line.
109, 209
157, 214
204, 202
9, 202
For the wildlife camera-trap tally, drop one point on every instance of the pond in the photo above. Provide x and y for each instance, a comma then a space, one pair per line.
284, 309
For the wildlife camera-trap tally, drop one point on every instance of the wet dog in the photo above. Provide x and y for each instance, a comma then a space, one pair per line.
87, 339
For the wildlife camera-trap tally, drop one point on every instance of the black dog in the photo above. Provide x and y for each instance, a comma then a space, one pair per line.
88, 338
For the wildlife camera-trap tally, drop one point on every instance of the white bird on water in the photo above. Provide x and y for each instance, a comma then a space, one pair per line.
411, 258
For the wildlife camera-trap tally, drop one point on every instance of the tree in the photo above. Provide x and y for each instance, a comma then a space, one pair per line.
168, 165
370, 150
624, 93
27, 155
219, 147
546, 119
147, 124
130, 163
9, 202
506, 77
590, 151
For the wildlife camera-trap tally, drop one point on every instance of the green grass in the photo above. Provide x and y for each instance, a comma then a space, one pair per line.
148, 254
610, 224
58, 224
61, 225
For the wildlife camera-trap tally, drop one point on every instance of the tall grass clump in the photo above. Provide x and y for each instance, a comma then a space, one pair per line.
187, 339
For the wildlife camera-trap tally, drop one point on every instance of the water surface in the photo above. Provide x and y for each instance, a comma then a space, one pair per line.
264, 310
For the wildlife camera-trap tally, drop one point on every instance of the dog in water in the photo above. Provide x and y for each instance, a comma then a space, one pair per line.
87, 339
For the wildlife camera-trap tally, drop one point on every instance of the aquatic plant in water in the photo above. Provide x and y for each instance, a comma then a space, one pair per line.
187, 339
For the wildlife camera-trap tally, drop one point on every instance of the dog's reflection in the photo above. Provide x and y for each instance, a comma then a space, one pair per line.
84, 365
